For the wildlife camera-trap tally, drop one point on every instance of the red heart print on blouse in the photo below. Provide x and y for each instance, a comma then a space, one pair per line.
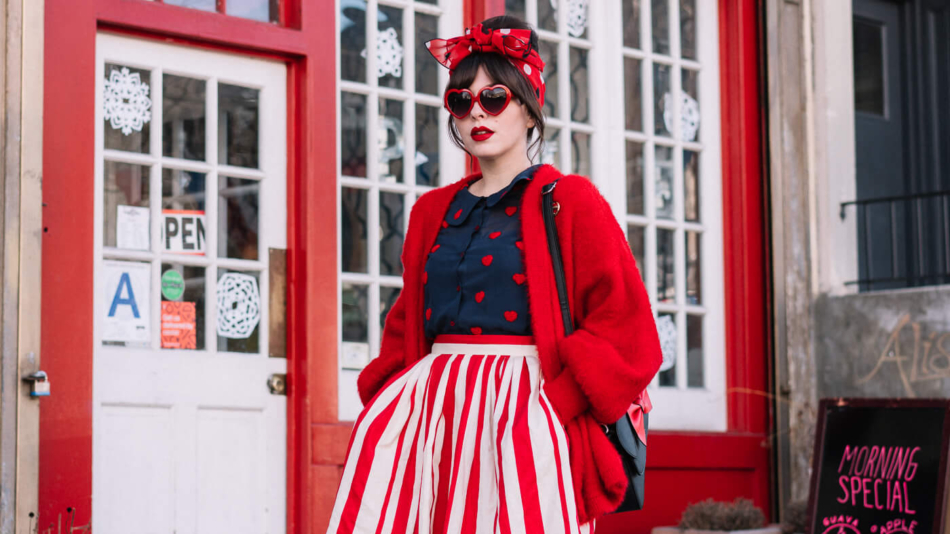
510, 210
493, 235
428, 314
445, 224
518, 278
425, 277
476, 330
520, 245
486, 260
480, 296
510, 316
458, 214
435, 248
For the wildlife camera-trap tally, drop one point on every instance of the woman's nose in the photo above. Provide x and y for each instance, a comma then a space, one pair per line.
477, 110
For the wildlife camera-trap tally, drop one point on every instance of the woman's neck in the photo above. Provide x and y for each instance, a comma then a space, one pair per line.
498, 172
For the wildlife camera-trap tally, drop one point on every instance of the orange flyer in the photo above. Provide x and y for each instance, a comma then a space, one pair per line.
178, 325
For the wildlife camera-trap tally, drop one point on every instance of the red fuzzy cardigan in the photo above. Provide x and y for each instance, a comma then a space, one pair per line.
591, 375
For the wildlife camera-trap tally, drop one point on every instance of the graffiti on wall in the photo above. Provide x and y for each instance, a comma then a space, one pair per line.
926, 359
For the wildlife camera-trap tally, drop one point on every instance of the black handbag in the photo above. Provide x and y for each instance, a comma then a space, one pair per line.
623, 436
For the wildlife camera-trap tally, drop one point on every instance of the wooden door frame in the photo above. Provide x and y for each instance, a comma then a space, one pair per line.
302, 42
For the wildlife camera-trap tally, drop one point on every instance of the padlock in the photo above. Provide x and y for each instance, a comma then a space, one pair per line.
39, 384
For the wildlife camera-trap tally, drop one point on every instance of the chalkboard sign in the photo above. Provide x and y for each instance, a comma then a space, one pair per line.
880, 467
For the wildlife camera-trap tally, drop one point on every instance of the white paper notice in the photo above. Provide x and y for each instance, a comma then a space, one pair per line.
131, 228
126, 301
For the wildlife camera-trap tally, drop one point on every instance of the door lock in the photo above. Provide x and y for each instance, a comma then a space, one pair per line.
277, 383
39, 384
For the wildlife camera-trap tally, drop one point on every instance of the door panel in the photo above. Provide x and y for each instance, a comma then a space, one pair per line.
190, 199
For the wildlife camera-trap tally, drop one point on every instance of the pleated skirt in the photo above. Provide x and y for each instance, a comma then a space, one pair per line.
463, 441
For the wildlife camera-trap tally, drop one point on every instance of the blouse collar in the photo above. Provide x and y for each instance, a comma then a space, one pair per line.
465, 201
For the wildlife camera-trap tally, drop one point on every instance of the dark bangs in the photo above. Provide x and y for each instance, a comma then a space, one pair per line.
499, 70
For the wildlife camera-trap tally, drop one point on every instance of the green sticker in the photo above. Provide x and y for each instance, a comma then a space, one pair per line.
173, 285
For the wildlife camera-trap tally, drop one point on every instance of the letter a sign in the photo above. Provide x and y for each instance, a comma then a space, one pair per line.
126, 301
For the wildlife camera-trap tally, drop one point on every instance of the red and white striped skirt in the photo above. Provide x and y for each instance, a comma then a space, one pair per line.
463, 441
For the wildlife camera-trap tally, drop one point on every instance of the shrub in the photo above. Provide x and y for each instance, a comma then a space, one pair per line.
796, 517
740, 514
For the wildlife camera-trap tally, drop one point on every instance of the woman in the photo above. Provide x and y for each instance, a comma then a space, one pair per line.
480, 415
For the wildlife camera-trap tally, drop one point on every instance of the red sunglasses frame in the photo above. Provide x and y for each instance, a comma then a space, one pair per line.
476, 97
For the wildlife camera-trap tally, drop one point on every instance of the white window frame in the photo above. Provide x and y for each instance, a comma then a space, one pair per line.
451, 167
680, 407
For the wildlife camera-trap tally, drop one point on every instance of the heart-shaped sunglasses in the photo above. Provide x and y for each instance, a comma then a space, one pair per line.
492, 98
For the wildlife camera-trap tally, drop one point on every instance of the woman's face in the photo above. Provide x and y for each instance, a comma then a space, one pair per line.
508, 129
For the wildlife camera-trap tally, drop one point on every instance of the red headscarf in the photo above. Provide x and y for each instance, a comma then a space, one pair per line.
513, 44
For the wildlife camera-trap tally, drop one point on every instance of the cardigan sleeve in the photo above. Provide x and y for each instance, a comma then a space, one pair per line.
390, 360
614, 350
391, 357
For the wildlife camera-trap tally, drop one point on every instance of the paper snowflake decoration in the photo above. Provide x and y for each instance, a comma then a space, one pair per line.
689, 116
388, 53
239, 305
576, 17
666, 329
126, 103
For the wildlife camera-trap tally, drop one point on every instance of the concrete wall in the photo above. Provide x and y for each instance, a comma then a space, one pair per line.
884, 344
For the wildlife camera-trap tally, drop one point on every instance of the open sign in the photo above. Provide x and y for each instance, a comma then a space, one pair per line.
183, 231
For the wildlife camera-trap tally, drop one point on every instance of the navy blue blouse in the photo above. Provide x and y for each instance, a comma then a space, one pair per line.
474, 277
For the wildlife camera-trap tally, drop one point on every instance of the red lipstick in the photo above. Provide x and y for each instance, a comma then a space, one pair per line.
481, 133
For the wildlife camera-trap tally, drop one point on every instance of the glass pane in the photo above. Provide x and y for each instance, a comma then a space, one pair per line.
391, 142
634, 178
663, 193
666, 327
183, 117
353, 134
633, 96
353, 40
204, 5
127, 108
665, 266
693, 269
631, 23
127, 309
391, 230
516, 8
547, 14
580, 153
688, 29
389, 47
694, 352
183, 225
238, 209
387, 298
239, 311
125, 213
636, 238
576, 17
552, 147
661, 26
868, 66
662, 101
427, 145
691, 185
183, 306
690, 106
548, 51
262, 10
238, 109
353, 214
427, 71
579, 92
355, 304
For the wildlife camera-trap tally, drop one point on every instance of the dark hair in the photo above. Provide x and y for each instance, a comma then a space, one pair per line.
500, 70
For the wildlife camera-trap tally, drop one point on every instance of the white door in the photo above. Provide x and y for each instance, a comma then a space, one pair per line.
190, 202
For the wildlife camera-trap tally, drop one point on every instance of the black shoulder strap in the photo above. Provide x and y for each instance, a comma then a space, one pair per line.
549, 210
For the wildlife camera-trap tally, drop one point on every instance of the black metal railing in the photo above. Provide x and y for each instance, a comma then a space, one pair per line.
903, 241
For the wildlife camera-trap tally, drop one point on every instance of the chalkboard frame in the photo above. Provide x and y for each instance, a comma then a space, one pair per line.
823, 406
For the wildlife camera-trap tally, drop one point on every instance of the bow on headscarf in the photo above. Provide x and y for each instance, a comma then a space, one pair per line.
513, 44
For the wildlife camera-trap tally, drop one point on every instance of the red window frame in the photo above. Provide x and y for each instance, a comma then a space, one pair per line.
303, 42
